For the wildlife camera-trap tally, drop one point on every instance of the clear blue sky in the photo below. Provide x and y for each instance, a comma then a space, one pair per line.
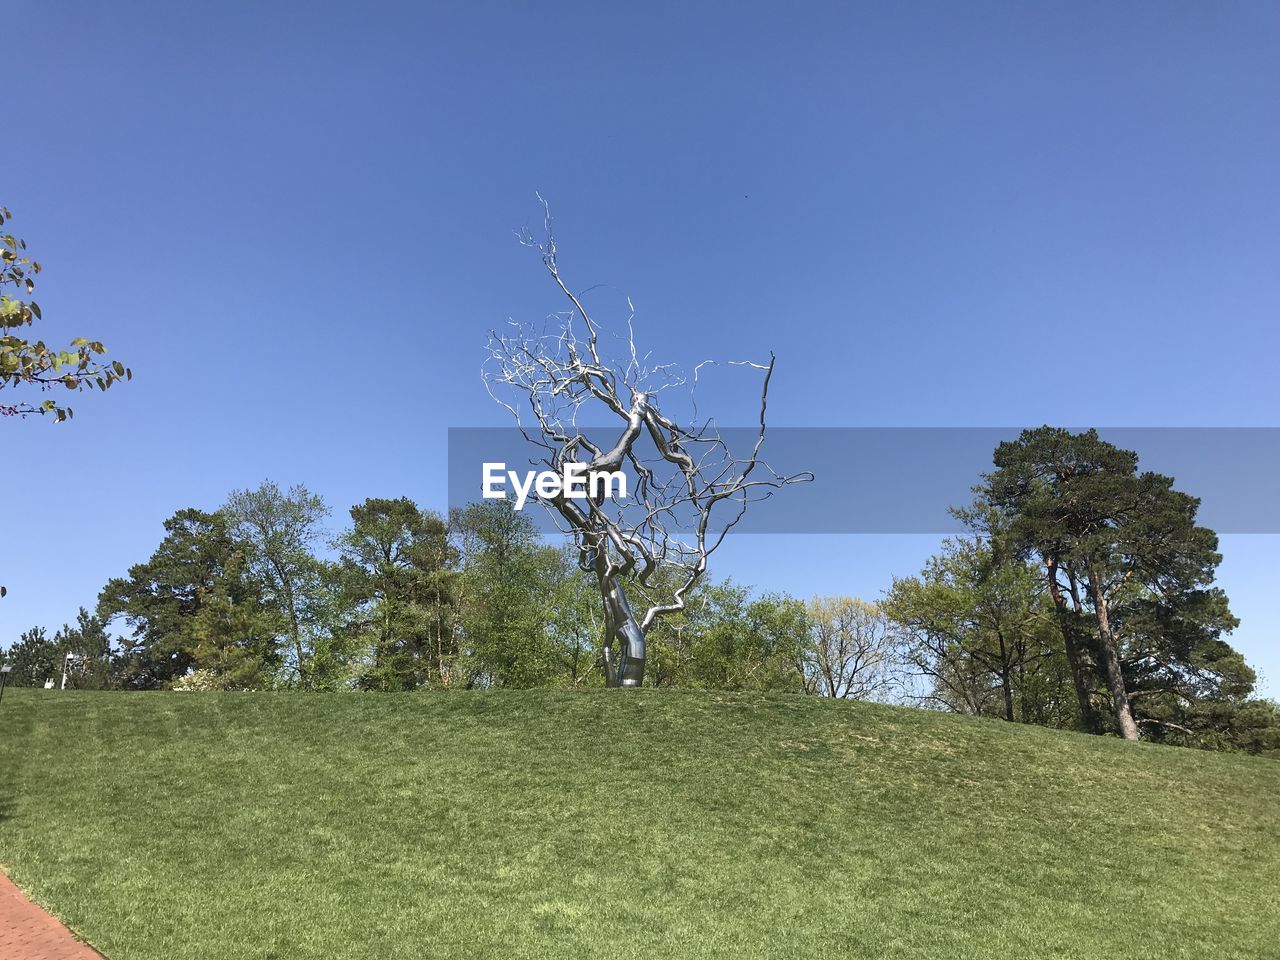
295, 223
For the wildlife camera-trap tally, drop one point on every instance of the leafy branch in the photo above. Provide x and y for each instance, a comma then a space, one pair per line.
33, 362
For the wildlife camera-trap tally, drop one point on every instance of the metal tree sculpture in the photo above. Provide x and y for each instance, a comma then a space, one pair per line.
657, 540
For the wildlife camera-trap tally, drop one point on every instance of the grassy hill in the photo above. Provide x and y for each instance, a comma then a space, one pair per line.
611, 824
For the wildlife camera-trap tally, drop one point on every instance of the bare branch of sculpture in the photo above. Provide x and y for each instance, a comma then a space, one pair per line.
690, 488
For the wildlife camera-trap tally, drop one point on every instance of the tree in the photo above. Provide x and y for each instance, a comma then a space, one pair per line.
1245, 725
685, 473
575, 624
281, 529
977, 627
31, 362
724, 639
178, 604
1187, 685
508, 626
397, 572
83, 650
89, 665
234, 634
850, 651
34, 659
1107, 538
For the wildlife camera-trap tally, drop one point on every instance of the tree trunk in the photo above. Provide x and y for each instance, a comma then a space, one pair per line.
1081, 663
1111, 664
1023, 700
1006, 684
295, 629
620, 624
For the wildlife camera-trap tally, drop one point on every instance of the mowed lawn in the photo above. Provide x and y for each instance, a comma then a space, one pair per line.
616, 824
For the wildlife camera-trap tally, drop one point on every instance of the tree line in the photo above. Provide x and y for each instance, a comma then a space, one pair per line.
1081, 597
257, 595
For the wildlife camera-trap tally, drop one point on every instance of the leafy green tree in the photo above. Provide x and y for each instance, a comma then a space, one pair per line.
397, 573
724, 639
575, 623
234, 635
1245, 725
507, 619
339, 650
90, 665
1112, 542
753, 643
32, 363
34, 658
281, 529
171, 604
976, 625
1186, 684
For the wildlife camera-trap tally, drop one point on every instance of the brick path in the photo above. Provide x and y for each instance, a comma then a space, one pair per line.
28, 933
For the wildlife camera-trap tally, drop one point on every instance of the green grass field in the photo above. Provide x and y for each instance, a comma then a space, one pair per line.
616, 824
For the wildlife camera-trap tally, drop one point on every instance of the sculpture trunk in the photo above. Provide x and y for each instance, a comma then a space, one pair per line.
620, 625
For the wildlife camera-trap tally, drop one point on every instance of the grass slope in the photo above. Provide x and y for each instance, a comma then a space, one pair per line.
612, 824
